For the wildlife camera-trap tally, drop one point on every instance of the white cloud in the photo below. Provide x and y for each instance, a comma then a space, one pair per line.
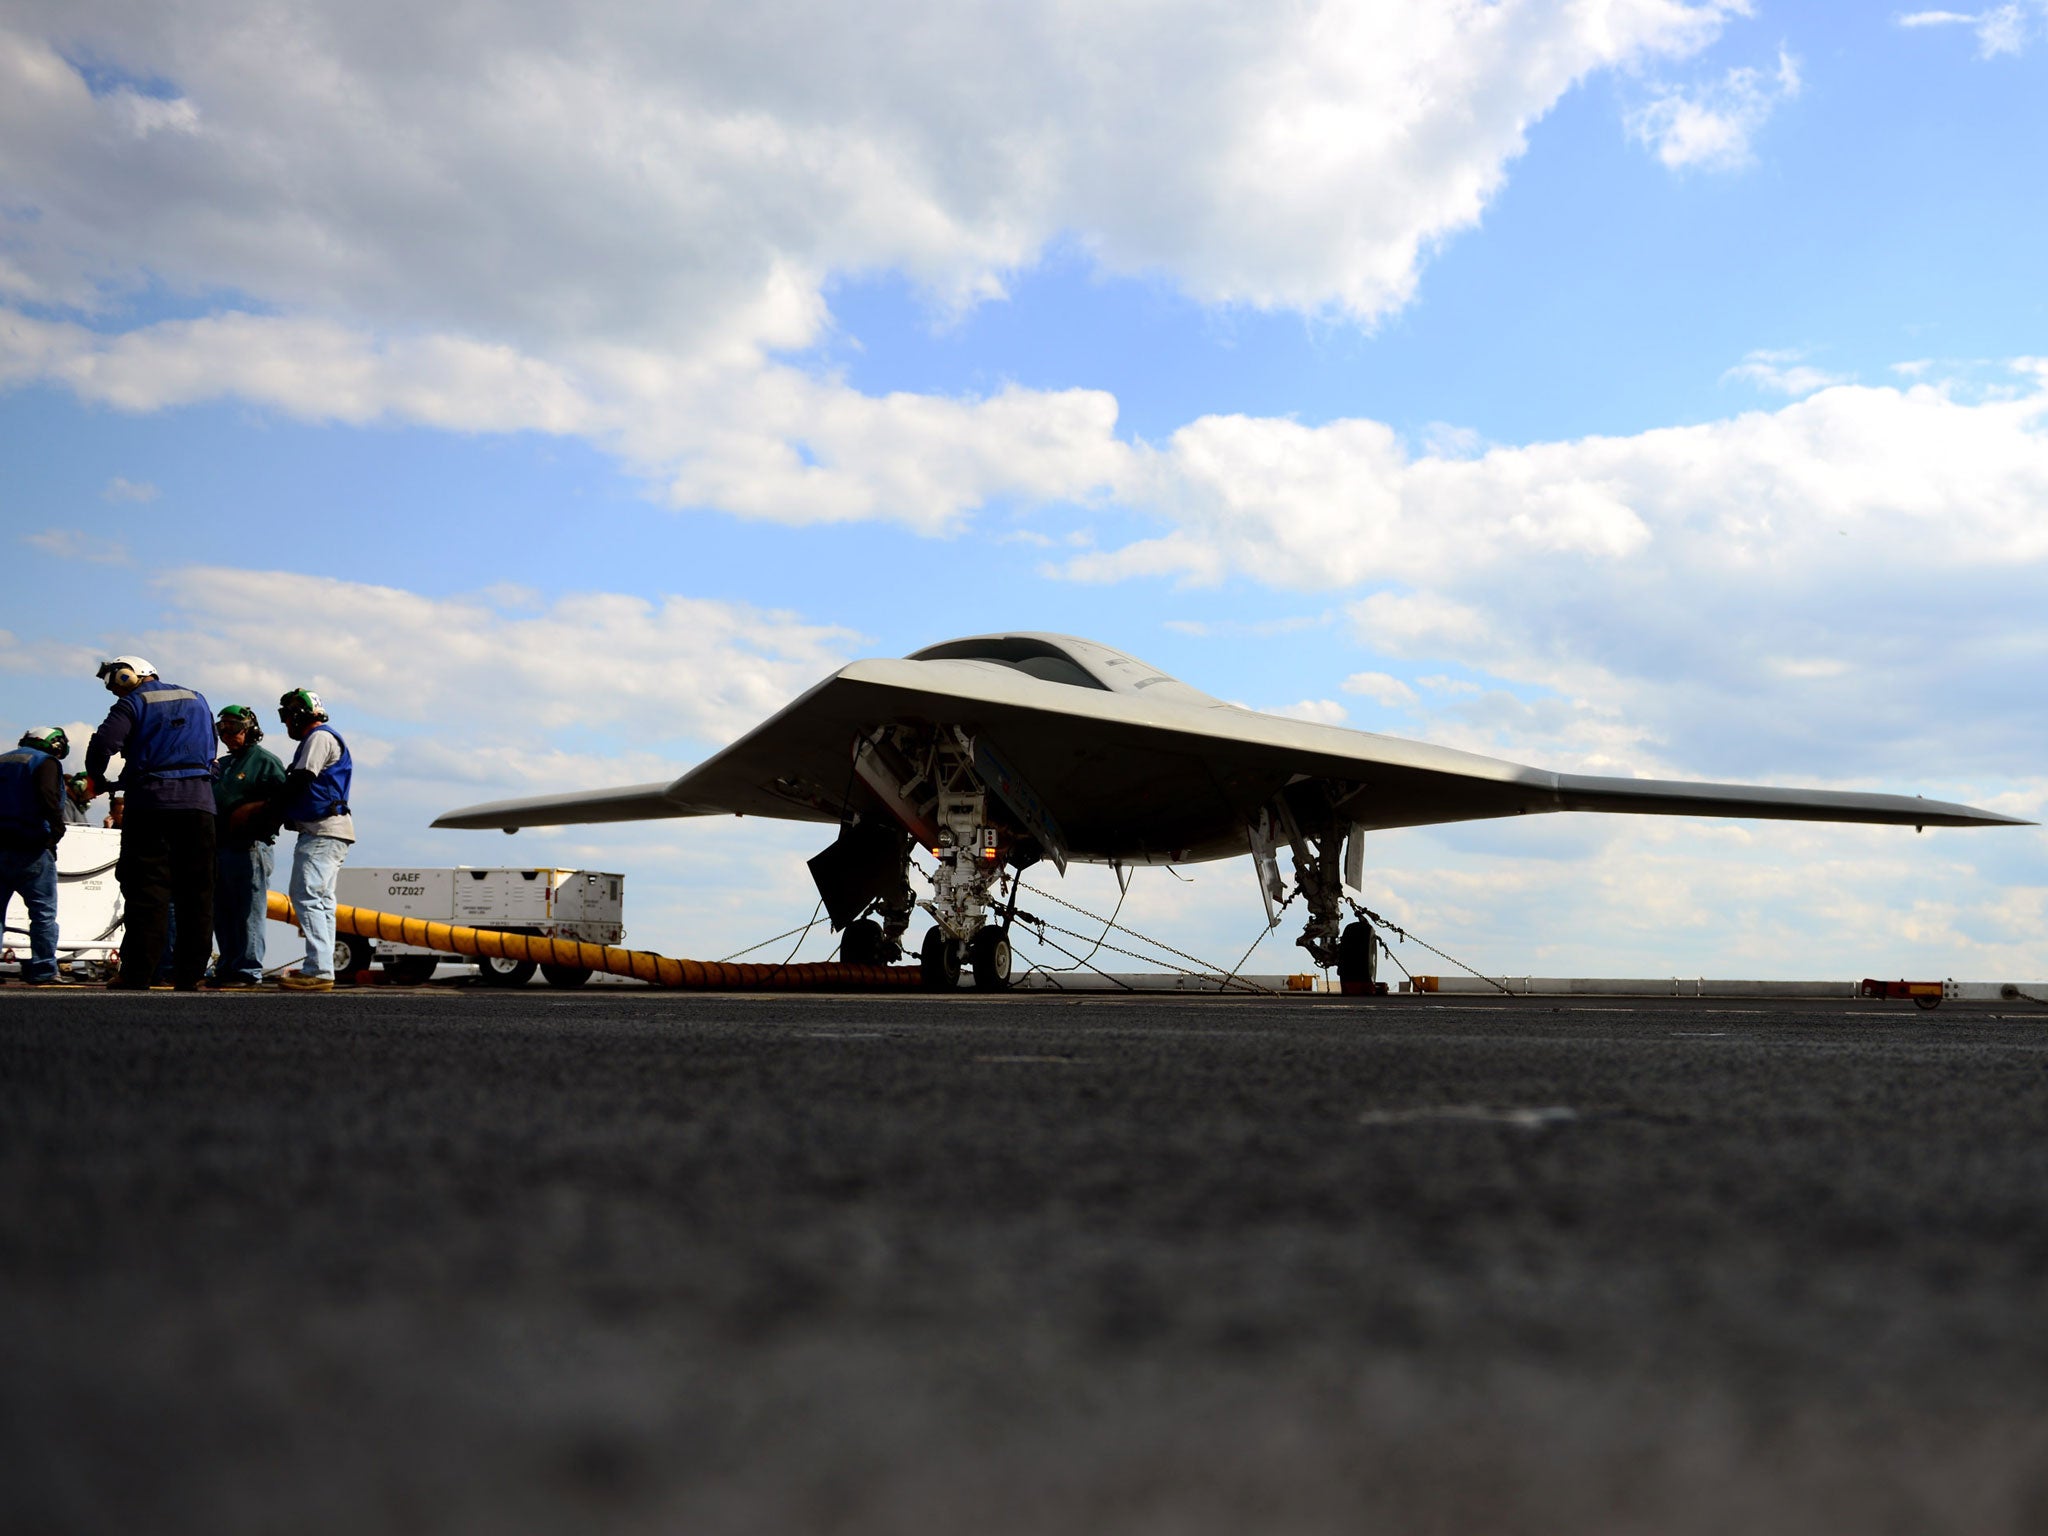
522, 172
680, 668
1673, 592
45, 658
741, 433
122, 489
1318, 711
1382, 688
2000, 29
76, 544
1785, 373
1711, 127
613, 222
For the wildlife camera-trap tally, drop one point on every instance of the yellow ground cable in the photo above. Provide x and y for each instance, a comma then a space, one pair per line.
659, 970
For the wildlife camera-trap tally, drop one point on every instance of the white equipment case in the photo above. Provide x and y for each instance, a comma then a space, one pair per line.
89, 920
552, 903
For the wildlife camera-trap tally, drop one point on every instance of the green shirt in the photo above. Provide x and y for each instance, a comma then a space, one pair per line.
250, 774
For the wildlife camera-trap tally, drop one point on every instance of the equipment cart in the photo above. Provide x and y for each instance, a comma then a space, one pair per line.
89, 919
551, 903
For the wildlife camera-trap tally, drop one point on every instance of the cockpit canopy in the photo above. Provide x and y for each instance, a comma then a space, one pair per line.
1066, 659
1027, 653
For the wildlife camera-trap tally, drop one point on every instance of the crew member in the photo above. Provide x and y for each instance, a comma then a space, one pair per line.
314, 801
164, 733
244, 781
31, 826
74, 800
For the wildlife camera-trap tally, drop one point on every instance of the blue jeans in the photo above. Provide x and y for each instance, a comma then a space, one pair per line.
31, 874
316, 865
241, 913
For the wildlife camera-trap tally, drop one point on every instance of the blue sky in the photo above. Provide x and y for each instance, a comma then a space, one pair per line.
1644, 387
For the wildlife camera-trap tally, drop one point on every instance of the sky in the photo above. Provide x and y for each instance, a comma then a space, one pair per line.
1650, 387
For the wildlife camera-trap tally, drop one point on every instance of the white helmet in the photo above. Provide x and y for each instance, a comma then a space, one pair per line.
124, 672
48, 738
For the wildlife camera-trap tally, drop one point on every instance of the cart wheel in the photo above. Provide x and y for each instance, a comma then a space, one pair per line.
566, 975
352, 953
1926, 1002
504, 973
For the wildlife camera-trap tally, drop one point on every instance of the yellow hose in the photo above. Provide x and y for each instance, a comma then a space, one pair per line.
660, 970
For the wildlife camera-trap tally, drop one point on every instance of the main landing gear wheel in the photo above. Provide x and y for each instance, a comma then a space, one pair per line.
939, 961
1358, 960
566, 975
504, 973
863, 943
989, 953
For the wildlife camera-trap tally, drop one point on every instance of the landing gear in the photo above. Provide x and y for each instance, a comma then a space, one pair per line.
1328, 856
939, 961
988, 952
565, 975
863, 944
956, 796
1319, 875
1358, 960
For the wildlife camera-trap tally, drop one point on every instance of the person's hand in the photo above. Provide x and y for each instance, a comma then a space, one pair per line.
255, 820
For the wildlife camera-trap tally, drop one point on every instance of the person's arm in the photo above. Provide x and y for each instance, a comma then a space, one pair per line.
265, 772
50, 791
314, 753
108, 741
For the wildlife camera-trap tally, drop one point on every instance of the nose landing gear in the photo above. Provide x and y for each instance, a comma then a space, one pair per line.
939, 961
988, 952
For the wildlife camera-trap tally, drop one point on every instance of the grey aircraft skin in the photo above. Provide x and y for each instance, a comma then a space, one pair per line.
1133, 766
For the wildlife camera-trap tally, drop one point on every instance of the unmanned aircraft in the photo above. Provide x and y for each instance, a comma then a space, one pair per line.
998, 751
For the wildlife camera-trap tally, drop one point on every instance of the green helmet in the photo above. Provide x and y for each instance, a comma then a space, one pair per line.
240, 717
300, 704
48, 738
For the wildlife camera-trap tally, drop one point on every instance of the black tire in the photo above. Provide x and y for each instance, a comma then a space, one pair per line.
939, 961
504, 973
1358, 958
566, 975
411, 970
352, 953
863, 944
989, 953
1924, 1001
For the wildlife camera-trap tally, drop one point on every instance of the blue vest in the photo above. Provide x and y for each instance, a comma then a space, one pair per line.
21, 808
172, 737
327, 795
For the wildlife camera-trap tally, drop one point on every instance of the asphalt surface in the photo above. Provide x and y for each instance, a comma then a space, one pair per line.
469, 1261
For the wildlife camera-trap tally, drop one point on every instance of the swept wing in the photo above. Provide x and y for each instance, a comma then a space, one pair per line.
1139, 767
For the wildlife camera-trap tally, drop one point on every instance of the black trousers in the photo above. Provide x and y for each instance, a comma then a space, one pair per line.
166, 856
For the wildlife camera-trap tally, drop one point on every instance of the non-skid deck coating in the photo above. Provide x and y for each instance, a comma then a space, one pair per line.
462, 1260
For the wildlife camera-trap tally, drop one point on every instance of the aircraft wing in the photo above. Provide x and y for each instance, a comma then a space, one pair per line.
635, 802
1170, 775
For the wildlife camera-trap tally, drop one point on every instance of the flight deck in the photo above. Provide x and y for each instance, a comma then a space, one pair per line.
463, 1258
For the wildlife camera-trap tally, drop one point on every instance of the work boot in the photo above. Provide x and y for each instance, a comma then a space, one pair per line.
297, 983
